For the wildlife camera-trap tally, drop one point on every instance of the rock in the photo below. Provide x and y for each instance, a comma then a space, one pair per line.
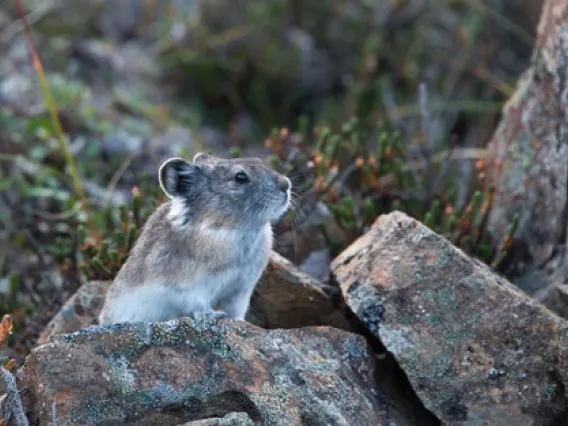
475, 348
555, 298
284, 298
80, 311
231, 419
531, 142
317, 265
183, 370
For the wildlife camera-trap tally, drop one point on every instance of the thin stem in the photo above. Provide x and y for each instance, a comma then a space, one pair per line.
50, 105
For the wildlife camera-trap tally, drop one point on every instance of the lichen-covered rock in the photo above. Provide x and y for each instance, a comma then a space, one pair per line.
532, 144
184, 370
476, 349
284, 298
231, 419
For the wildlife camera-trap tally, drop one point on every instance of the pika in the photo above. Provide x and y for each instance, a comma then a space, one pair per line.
203, 251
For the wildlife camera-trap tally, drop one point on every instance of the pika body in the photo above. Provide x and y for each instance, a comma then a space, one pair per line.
203, 251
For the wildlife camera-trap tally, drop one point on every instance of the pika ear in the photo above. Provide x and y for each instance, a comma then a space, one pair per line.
177, 176
200, 157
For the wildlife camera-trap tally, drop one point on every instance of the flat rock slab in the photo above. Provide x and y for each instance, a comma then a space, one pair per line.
180, 371
476, 349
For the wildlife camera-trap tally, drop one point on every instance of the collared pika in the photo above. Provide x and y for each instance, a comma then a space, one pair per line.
205, 248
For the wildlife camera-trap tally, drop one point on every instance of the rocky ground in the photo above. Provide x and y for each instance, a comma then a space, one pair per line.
411, 332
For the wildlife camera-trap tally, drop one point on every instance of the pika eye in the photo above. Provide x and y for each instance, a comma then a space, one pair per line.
241, 177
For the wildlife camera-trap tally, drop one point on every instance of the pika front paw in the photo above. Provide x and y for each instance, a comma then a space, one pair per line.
210, 315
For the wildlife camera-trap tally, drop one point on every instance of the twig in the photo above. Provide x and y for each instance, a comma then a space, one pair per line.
499, 18
13, 403
34, 16
53, 414
67, 214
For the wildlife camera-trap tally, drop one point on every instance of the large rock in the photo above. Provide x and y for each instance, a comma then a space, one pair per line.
284, 298
532, 144
184, 370
476, 349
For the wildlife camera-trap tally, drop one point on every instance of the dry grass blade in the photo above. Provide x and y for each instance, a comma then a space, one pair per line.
52, 108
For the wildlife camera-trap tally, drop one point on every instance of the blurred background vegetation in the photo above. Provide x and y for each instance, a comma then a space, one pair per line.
368, 106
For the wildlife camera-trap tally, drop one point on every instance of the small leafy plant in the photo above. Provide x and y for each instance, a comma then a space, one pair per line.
100, 256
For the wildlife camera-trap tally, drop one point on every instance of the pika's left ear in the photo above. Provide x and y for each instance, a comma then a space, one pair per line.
178, 177
201, 157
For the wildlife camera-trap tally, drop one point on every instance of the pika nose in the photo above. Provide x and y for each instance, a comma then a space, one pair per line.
283, 183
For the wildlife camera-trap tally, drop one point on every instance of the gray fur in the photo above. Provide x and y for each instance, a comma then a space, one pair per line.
204, 249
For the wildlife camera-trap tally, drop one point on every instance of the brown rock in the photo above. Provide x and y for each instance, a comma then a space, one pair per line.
476, 350
184, 370
284, 298
532, 143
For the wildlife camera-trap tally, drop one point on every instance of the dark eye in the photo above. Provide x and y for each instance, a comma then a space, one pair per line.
241, 177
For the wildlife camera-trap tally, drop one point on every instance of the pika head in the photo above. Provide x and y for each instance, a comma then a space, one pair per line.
225, 193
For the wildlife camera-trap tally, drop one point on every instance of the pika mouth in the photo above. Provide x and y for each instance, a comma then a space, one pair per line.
287, 199
284, 205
